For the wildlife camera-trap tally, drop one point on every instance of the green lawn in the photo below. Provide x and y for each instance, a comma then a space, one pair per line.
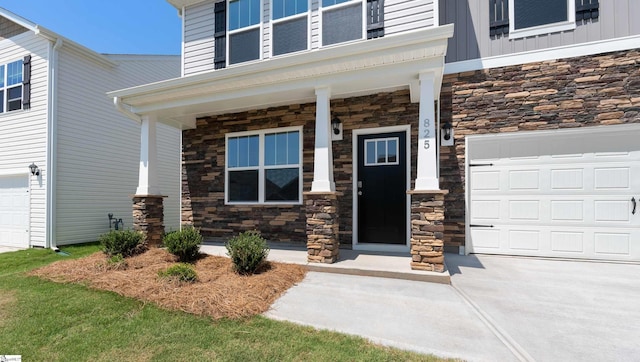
45, 321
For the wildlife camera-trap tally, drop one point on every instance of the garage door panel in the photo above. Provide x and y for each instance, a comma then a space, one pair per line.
574, 203
14, 211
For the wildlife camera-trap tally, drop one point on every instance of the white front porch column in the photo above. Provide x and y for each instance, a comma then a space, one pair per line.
148, 175
427, 174
323, 156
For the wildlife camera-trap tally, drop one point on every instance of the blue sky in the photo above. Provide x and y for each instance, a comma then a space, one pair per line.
107, 26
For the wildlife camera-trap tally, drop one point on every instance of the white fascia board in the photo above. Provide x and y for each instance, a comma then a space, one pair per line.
78, 48
18, 19
179, 4
565, 51
416, 51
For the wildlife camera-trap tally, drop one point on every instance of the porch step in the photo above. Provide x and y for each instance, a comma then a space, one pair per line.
351, 262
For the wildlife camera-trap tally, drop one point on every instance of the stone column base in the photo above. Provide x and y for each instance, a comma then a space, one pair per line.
322, 226
148, 217
427, 230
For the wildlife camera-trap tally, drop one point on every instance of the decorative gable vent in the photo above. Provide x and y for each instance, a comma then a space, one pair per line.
498, 17
220, 35
587, 9
375, 19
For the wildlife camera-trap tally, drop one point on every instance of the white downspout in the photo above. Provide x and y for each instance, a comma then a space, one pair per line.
51, 241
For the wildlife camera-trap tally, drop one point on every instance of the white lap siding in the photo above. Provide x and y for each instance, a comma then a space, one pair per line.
98, 148
23, 134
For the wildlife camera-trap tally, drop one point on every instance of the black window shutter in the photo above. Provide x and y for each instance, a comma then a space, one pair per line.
220, 35
26, 82
498, 17
587, 9
375, 19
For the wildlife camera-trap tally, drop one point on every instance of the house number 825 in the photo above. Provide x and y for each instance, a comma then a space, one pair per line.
426, 123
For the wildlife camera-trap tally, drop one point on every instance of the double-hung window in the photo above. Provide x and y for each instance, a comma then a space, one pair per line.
11, 86
264, 167
290, 26
342, 20
244, 30
534, 17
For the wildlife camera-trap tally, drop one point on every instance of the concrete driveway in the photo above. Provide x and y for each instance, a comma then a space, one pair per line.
497, 309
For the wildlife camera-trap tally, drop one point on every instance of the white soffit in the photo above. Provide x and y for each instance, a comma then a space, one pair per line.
350, 69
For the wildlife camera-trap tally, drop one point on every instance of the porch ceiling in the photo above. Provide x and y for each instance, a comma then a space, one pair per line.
350, 69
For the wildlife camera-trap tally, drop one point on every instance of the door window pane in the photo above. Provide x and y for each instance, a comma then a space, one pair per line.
392, 151
371, 152
381, 151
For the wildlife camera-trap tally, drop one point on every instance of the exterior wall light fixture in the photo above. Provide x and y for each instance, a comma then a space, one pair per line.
336, 126
447, 134
35, 171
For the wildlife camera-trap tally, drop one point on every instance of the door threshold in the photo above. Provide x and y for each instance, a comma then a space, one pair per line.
395, 248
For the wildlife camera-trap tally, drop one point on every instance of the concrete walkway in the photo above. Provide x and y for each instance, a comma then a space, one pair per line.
496, 309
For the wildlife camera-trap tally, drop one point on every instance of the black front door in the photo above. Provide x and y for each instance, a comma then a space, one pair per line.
381, 188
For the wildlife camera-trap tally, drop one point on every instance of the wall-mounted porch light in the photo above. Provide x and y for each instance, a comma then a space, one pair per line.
446, 134
35, 171
336, 126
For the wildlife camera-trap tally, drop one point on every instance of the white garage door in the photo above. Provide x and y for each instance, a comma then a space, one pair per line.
14, 211
570, 194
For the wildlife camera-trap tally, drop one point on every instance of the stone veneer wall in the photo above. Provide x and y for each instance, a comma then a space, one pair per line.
323, 220
148, 217
204, 157
427, 230
575, 92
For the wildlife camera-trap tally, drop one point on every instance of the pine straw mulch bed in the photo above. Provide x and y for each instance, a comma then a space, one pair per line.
219, 292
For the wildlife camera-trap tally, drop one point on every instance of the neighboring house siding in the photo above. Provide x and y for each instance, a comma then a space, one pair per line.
198, 38
23, 134
603, 89
98, 147
407, 15
472, 40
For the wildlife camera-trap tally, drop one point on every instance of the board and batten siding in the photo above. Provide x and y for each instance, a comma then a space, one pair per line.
98, 148
198, 38
198, 48
471, 39
23, 133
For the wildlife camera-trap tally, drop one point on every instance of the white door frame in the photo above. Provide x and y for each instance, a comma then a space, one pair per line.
371, 246
600, 129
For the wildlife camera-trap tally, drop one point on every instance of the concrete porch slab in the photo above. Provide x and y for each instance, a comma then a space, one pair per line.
350, 262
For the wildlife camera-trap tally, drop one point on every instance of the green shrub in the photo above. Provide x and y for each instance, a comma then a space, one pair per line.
123, 242
185, 244
247, 251
181, 272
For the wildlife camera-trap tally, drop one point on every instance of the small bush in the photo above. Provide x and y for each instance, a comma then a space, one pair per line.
247, 251
185, 244
116, 262
181, 272
123, 242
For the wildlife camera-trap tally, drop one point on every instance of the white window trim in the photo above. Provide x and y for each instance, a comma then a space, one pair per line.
261, 166
570, 24
287, 18
337, 6
375, 141
5, 88
240, 30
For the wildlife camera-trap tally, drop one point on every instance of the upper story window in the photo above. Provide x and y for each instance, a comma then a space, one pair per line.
264, 166
11, 86
290, 26
534, 17
342, 20
244, 30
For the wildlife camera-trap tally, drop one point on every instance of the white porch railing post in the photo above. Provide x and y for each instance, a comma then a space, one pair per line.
427, 173
148, 175
323, 156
